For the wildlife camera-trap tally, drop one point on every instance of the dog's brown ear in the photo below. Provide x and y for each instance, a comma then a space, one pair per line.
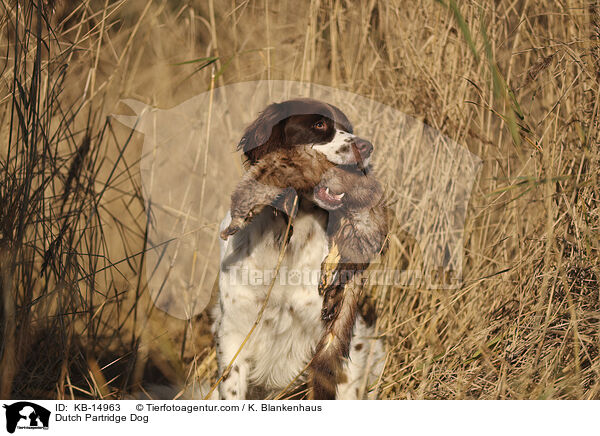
260, 136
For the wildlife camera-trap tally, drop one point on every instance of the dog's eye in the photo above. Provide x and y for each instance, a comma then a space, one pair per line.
320, 125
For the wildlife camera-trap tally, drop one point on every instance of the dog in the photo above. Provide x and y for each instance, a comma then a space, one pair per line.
284, 342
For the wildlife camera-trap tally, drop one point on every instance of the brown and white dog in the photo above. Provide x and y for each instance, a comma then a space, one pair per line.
285, 341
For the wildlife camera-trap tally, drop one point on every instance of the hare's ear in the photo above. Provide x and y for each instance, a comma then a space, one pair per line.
261, 136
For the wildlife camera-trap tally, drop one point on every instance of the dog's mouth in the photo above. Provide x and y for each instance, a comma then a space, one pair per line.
328, 198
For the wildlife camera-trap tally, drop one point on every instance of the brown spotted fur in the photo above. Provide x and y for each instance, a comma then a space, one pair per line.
358, 229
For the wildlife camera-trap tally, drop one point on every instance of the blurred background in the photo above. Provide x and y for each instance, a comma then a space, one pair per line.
514, 82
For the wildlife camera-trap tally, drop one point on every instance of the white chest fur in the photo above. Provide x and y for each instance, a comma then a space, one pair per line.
282, 344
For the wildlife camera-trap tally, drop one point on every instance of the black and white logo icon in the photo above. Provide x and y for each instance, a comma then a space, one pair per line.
26, 415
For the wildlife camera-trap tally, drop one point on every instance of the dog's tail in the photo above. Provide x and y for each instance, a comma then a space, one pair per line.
327, 365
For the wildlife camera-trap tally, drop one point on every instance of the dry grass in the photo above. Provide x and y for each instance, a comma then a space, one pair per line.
517, 82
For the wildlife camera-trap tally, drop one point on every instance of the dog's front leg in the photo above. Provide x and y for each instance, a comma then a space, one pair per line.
234, 385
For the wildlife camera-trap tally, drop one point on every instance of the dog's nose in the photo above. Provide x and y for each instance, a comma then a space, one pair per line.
364, 147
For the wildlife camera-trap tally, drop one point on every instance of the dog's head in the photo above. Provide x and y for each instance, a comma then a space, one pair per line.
296, 122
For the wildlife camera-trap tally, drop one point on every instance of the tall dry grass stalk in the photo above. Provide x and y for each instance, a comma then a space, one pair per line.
515, 82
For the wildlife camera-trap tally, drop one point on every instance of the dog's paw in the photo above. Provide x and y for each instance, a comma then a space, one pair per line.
327, 314
332, 298
230, 230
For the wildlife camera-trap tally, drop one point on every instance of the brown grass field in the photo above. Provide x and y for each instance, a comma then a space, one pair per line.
516, 82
